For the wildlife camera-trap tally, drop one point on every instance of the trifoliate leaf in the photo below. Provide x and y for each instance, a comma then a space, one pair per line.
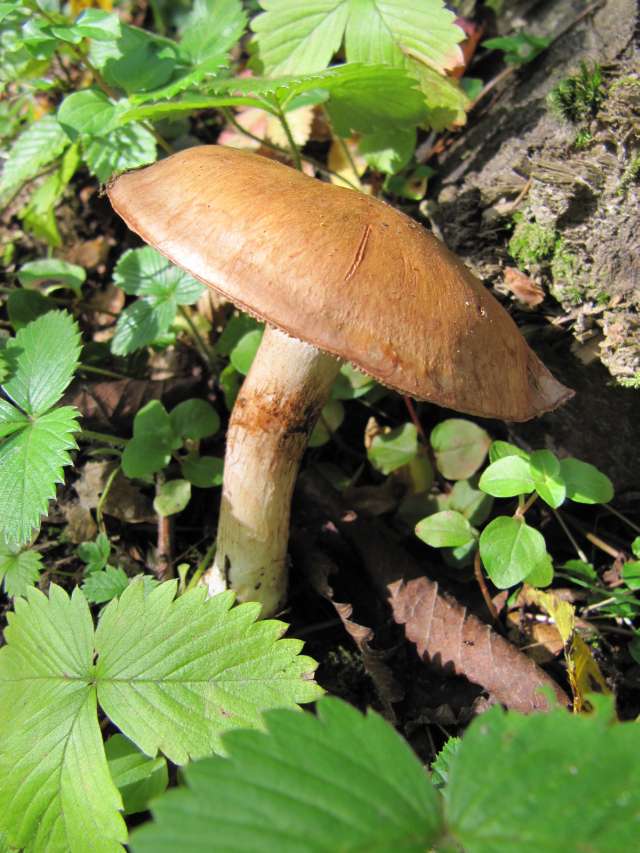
511, 550
103, 585
194, 419
394, 449
138, 777
123, 148
95, 554
460, 448
153, 440
138, 61
161, 286
37, 146
19, 570
47, 353
500, 449
301, 38
339, 781
55, 787
31, 463
171, 674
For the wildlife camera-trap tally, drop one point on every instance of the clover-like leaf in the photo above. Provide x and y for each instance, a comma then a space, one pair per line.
339, 781
172, 674
194, 419
585, 484
393, 449
446, 529
507, 477
547, 477
460, 447
172, 497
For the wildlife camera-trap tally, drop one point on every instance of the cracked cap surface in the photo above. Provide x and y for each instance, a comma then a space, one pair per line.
342, 271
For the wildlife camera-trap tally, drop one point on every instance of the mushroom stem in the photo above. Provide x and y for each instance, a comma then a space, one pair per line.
274, 414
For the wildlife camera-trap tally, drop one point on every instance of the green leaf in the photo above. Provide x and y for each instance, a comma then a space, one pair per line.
631, 574
389, 31
585, 484
55, 787
153, 440
202, 471
138, 61
447, 103
307, 784
245, 350
192, 669
300, 38
351, 383
212, 28
331, 418
388, 150
194, 419
506, 478
235, 328
635, 547
460, 448
520, 48
40, 144
542, 575
511, 550
296, 38
23, 306
580, 569
145, 272
500, 449
87, 112
161, 286
19, 570
47, 353
538, 764
123, 148
95, 554
394, 449
38, 215
170, 674
53, 272
444, 759
446, 529
103, 585
138, 778
31, 463
99, 25
471, 502
173, 496
547, 478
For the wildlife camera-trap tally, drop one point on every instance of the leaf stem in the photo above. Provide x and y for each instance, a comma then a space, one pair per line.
477, 571
581, 555
202, 566
201, 345
622, 517
523, 505
101, 371
103, 497
295, 152
90, 436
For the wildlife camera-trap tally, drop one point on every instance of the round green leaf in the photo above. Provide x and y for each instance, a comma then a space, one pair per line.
547, 477
506, 478
542, 575
203, 471
52, 272
445, 529
394, 449
585, 484
194, 419
510, 550
471, 502
500, 449
87, 112
245, 350
172, 497
460, 448
330, 419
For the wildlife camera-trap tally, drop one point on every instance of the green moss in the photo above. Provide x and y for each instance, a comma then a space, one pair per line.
631, 175
531, 243
577, 98
564, 265
583, 139
631, 381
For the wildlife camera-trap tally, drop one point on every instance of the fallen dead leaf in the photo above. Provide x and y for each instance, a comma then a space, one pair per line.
523, 288
124, 501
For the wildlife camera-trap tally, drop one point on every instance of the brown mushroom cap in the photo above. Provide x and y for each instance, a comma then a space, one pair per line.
342, 271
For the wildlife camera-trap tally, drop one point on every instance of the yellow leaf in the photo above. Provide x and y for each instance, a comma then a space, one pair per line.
346, 162
584, 675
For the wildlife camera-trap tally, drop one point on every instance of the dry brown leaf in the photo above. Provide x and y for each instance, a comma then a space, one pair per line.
89, 253
523, 288
124, 501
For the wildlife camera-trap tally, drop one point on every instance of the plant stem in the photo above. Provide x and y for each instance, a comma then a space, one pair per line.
477, 571
202, 566
295, 152
101, 371
103, 498
523, 505
205, 350
90, 435
347, 154
622, 517
582, 556
163, 563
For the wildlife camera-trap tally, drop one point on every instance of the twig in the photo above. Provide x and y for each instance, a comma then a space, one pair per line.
477, 571
163, 564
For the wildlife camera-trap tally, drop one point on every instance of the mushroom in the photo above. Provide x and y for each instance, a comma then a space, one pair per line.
336, 275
